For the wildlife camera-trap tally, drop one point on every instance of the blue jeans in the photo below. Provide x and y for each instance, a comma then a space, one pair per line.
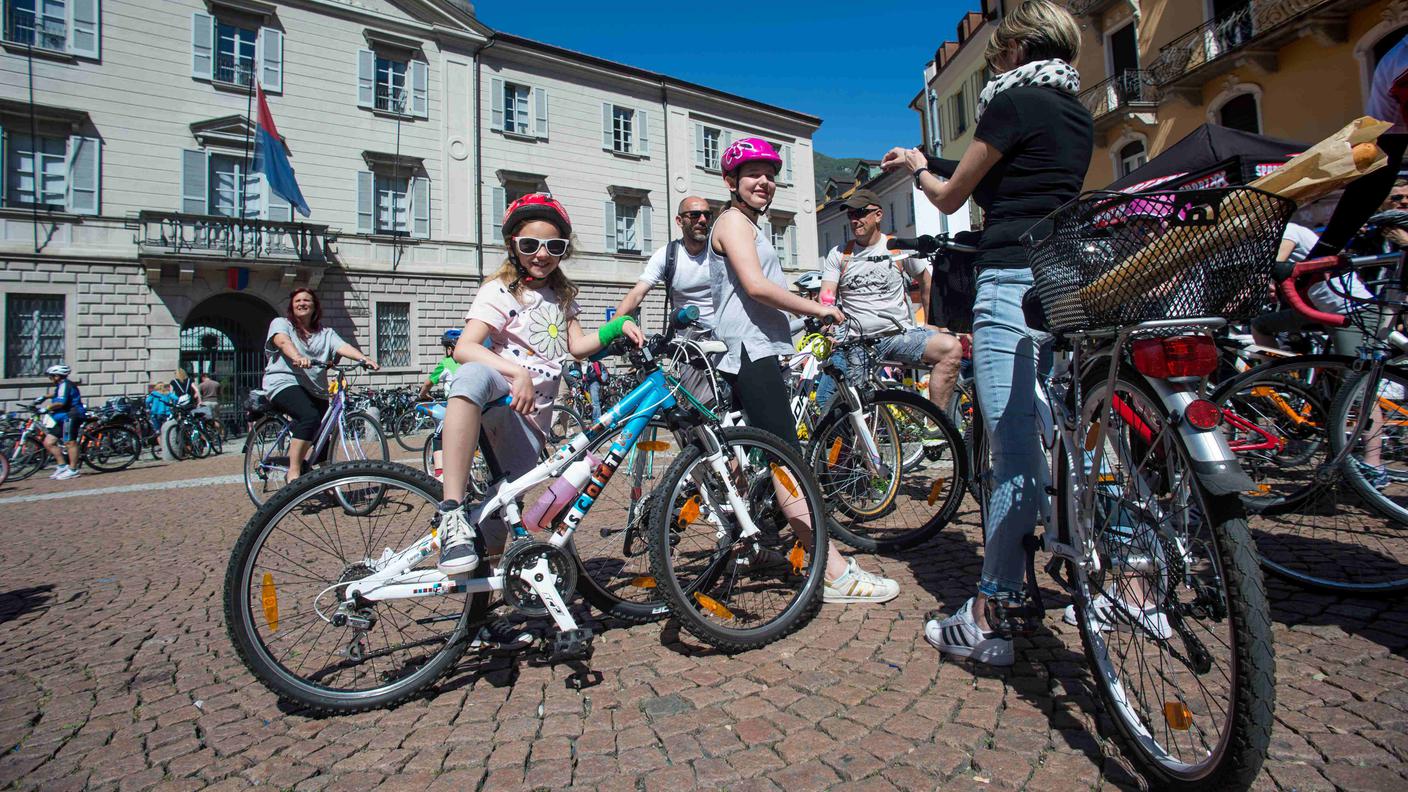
1005, 364
826, 386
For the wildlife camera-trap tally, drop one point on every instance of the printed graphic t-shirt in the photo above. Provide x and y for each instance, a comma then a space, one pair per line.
871, 290
531, 332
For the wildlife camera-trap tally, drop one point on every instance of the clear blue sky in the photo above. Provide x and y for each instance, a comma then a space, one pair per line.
856, 65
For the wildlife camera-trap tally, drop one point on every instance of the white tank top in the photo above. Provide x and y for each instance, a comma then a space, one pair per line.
740, 321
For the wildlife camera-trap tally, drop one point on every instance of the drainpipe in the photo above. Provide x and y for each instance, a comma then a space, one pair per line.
479, 158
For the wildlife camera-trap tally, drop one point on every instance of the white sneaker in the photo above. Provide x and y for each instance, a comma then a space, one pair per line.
457, 553
59, 471
1150, 619
857, 585
69, 473
958, 635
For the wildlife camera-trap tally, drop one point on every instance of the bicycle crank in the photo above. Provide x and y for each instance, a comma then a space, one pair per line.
538, 580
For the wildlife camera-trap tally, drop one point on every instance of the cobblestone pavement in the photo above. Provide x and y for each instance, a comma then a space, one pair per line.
115, 672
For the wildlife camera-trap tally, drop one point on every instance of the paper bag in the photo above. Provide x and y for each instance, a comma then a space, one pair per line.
1330, 164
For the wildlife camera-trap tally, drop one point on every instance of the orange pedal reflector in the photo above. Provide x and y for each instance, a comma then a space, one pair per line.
689, 512
833, 453
1105, 478
796, 557
1178, 716
653, 445
270, 597
643, 582
935, 490
713, 606
784, 479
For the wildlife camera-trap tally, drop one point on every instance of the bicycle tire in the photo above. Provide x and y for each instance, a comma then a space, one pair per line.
941, 496
1219, 529
688, 600
26, 458
4, 468
108, 449
267, 439
370, 440
407, 424
309, 491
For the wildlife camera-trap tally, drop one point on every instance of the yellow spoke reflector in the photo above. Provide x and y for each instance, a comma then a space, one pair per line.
653, 445
796, 557
1105, 478
1090, 436
713, 606
689, 512
935, 490
270, 597
1178, 716
1261, 489
643, 582
784, 479
833, 453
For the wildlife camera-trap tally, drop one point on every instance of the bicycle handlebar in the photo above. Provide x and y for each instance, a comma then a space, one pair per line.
1294, 278
928, 245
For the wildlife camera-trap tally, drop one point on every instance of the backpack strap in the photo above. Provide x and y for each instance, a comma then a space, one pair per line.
670, 279
849, 250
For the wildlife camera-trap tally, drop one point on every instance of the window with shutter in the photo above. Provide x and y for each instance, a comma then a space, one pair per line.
391, 89
420, 89
366, 202
194, 178
43, 24
622, 130
393, 334
34, 333
84, 174
540, 115
710, 147
643, 133
271, 60
514, 103
202, 46
420, 207
234, 53
36, 170
83, 37
366, 78
392, 204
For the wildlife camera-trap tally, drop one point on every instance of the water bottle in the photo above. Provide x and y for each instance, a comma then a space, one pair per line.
560, 494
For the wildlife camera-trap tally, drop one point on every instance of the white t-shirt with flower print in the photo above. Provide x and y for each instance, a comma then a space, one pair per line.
532, 332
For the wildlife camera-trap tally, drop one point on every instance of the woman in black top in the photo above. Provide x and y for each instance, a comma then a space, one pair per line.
1029, 155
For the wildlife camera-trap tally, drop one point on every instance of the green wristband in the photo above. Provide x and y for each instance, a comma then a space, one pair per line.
613, 329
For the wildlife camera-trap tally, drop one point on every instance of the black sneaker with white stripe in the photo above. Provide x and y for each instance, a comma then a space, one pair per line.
958, 635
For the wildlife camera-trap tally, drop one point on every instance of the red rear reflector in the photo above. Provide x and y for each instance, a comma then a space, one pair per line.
1202, 414
1180, 356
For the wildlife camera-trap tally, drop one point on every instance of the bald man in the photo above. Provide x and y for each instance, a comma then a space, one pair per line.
690, 282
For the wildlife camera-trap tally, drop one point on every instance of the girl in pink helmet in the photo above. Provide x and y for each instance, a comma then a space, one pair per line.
750, 298
528, 313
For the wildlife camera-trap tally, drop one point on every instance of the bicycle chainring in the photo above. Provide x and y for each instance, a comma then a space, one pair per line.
525, 554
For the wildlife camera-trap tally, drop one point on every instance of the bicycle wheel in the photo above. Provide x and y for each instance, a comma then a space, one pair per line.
4, 468
1173, 618
285, 608
735, 593
177, 440
266, 458
109, 448
611, 544
564, 425
1372, 556
905, 505
361, 438
410, 427
27, 457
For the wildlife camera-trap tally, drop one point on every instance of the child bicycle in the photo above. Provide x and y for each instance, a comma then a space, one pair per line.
1142, 517
337, 604
351, 435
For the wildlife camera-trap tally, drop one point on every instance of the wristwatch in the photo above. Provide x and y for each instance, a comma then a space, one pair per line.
917, 174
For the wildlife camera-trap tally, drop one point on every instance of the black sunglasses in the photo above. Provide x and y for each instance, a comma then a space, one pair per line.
856, 214
696, 214
529, 245
1398, 198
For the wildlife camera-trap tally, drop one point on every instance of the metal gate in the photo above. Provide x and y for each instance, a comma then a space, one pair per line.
231, 347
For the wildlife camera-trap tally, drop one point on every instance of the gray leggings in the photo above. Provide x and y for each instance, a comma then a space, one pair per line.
513, 441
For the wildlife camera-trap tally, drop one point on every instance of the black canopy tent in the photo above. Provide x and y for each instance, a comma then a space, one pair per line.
1210, 156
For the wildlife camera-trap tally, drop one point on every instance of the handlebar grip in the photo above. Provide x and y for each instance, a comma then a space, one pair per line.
923, 243
1283, 270
1291, 294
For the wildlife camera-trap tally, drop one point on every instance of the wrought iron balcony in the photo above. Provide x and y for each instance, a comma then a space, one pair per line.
23, 27
392, 99
1253, 33
1128, 91
234, 70
172, 234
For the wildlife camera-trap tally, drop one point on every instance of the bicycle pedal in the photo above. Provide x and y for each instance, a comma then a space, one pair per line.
571, 645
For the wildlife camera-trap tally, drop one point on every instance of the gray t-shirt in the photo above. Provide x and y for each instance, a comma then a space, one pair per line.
871, 290
691, 285
280, 373
740, 321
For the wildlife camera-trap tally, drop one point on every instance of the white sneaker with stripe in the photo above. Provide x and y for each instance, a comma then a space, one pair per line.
857, 585
958, 635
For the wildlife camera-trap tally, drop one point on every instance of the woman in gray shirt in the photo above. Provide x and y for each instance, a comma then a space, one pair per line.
295, 342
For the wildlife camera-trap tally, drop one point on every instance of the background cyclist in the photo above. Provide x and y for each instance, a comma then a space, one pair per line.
440, 376
66, 408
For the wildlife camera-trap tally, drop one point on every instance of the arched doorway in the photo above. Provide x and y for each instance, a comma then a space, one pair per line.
224, 336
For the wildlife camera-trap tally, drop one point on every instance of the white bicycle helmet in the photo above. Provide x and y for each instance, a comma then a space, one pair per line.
808, 282
59, 370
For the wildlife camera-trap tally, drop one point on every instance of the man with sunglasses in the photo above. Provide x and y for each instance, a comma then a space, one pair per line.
871, 283
688, 284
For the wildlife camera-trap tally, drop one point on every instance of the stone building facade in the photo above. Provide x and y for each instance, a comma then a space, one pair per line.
133, 238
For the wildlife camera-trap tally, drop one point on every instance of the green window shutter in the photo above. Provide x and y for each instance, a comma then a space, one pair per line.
642, 133
202, 46
540, 103
366, 78
420, 89
84, 174
420, 207
366, 202
609, 220
83, 19
271, 60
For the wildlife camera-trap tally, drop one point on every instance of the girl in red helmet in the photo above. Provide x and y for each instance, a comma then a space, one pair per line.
750, 297
528, 312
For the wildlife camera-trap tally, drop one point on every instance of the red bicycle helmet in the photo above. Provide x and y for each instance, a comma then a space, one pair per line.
537, 206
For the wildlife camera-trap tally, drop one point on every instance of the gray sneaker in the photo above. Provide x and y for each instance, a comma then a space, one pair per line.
457, 553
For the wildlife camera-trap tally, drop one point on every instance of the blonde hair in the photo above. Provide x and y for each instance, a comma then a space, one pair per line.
561, 285
181, 374
1041, 29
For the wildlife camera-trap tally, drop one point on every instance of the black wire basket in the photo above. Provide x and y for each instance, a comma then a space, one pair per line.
1115, 259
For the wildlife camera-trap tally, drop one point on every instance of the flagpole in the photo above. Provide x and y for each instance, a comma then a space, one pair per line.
248, 136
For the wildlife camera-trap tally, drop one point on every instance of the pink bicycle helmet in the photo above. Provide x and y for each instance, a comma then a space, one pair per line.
749, 149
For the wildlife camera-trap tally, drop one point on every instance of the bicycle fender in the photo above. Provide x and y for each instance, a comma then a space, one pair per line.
1214, 462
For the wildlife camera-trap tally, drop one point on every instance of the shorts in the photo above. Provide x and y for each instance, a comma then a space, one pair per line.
65, 429
1343, 340
905, 348
514, 442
